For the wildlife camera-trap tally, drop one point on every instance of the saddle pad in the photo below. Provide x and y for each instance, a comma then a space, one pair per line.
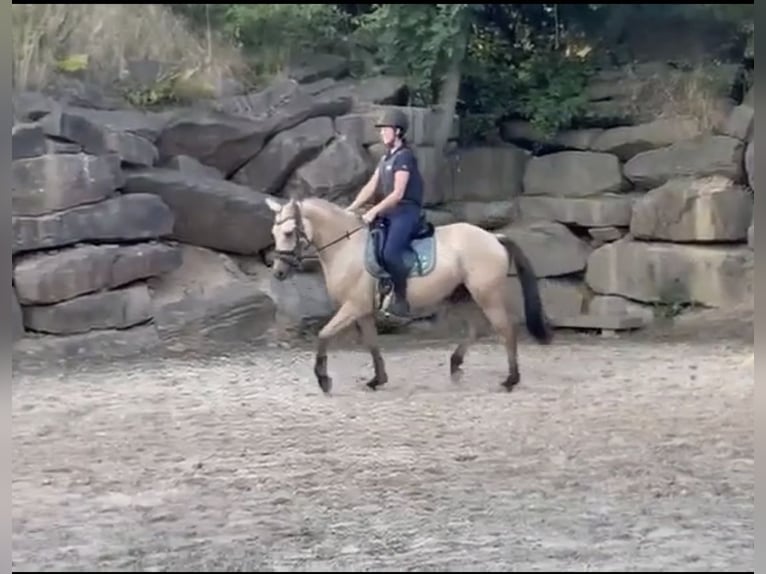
420, 258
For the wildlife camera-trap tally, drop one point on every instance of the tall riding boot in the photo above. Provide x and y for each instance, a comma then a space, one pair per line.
399, 305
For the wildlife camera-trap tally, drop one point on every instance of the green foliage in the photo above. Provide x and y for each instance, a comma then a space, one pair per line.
520, 59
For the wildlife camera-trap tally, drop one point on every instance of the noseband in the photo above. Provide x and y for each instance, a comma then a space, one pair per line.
294, 257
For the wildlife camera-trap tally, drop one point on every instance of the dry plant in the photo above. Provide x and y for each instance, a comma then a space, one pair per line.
100, 40
699, 94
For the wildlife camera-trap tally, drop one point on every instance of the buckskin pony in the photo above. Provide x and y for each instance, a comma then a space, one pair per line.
444, 261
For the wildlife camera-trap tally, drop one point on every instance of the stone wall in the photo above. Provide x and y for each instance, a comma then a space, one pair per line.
155, 223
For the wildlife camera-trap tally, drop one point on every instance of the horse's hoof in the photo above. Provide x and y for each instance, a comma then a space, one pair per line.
375, 384
325, 383
510, 382
455, 363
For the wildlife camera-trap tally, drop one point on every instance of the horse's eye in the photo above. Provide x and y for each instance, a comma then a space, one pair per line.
289, 233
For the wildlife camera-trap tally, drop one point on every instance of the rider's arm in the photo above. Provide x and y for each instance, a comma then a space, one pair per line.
366, 192
403, 165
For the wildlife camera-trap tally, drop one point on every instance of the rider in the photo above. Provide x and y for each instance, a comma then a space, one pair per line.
400, 209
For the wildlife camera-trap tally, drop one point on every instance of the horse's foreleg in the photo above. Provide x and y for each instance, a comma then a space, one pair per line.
344, 318
366, 326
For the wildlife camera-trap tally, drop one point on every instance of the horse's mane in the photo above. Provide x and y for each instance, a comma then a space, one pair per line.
325, 205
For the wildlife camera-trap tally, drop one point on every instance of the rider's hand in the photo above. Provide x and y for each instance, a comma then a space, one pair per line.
368, 216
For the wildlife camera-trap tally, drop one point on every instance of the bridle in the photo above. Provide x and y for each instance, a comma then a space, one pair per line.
294, 257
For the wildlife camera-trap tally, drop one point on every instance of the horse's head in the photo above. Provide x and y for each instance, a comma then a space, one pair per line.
291, 234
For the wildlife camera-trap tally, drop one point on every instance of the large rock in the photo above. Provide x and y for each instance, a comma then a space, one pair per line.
208, 212
523, 133
313, 67
627, 141
335, 174
236, 129
390, 90
562, 298
98, 139
121, 218
49, 182
698, 157
552, 249
488, 215
116, 309
147, 125
602, 211
487, 174
750, 164
43, 278
27, 140
301, 299
615, 305
17, 318
209, 296
190, 167
573, 174
268, 171
687, 209
668, 273
741, 123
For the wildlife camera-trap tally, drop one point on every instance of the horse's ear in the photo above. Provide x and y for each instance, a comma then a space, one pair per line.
273, 204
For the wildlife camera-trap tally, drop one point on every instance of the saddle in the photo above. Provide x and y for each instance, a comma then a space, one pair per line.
420, 257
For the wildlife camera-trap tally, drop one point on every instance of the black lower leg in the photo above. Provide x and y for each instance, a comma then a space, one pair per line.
320, 367
380, 378
513, 377
456, 359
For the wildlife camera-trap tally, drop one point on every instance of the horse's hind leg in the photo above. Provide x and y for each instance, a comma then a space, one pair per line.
366, 328
458, 355
493, 303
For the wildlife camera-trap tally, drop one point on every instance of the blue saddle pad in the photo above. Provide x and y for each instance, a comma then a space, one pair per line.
420, 258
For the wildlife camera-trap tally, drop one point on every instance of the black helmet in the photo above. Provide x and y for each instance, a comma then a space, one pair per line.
393, 119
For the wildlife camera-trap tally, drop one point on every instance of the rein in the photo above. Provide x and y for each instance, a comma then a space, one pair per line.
294, 256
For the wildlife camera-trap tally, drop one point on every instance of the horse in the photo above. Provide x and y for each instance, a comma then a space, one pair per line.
447, 263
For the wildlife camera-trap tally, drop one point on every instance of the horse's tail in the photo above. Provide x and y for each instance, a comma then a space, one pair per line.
534, 313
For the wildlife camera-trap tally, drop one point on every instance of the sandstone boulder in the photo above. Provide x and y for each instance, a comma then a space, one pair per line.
121, 218
49, 182
388, 90
313, 67
625, 142
148, 125
27, 140
601, 235
614, 305
573, 174
336, 174
694, 209
268, 171
698, 157
488, 215
99, 140
236, 129
741, 123
208, 213
190, 167
562, 298
118, 309
51, 277
750, 164
600, 211
17, 318
209, 296
662, 272
552, 249
488, 174
522, 132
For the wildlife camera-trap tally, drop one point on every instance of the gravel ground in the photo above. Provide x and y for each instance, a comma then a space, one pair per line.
624, 454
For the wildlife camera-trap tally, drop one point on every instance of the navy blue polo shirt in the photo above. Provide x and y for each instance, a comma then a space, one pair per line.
403, 159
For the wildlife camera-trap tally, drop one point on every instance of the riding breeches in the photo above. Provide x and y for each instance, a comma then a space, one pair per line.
402, 222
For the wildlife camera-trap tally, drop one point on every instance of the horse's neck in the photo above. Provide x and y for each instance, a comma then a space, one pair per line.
333, 232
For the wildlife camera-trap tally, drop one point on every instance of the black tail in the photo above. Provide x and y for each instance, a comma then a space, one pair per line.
537, 323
